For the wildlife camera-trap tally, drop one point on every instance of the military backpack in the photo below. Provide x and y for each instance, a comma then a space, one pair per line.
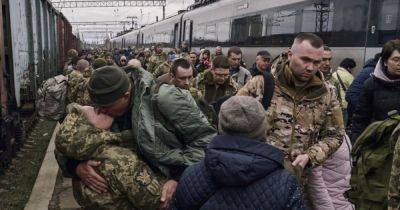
372, 157
51, 98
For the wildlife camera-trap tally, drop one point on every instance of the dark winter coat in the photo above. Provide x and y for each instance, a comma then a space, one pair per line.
238, 173
354, 91
378, 96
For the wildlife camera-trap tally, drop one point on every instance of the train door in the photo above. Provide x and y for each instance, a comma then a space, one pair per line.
176, 35
384, 25
138, 40
3, 89
188, 32
7, 62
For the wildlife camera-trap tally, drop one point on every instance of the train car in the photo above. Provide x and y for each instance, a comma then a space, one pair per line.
30, 38
356, 29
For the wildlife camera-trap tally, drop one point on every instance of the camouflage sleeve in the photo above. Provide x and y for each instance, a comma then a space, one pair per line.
332, 132
78, 139
151, 65
394, 183
254, 88
123, 169
158, 71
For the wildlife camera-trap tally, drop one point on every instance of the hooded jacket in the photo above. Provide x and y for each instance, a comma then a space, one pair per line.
378, 96
238, 173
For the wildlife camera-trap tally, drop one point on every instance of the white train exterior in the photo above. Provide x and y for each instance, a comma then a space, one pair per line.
355, 29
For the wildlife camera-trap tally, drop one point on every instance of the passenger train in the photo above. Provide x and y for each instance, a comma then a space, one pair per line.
355, 29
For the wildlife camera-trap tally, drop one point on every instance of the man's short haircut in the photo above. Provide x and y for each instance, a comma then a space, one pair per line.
235, 50
193, 52
159, 45
326, 48
180, 62
314, 40
348, 63
389, 48
221, 61
264, 54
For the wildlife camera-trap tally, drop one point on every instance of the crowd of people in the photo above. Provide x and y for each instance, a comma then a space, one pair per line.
147, 129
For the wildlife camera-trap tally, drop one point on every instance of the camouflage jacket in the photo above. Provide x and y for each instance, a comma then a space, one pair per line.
155, 60
163, 68
76, 90
242, 76
132, 184
212, 92
209, 93
308, 122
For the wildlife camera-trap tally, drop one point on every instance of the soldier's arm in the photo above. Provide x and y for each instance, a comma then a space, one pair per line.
253, 88
78, 139
331, 134
394, 183
191, 125
158, 72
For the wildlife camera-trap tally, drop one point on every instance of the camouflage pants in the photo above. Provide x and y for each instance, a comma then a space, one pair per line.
132, 184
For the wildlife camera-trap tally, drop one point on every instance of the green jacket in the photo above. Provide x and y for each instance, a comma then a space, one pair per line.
169, 129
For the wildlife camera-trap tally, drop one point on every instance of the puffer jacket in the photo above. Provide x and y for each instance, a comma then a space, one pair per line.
238, 173
378, 96
328, 183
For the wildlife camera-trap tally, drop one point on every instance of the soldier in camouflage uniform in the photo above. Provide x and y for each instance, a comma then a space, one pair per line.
72, 54
132, 184
77, 82
156, 59
165, 67
163, 124
213, 84
304, 118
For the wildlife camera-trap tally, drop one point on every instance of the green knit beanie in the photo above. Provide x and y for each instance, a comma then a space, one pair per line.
107, 84
99, 62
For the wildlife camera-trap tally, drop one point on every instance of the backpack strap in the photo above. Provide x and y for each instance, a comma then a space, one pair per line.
269, 87
341, 81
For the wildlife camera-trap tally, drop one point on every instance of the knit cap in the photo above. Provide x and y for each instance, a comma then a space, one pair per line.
243, 116
107, 84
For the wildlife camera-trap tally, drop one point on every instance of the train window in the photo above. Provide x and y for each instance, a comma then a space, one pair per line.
256, 26
283, 22
210, 33
198, 32
223, 31
187, 30
246, 27
349, 23
388, 26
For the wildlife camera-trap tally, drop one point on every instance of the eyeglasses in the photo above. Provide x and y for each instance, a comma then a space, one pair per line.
395, 60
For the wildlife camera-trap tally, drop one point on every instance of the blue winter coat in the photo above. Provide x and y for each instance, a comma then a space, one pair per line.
354, 91
238, 173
